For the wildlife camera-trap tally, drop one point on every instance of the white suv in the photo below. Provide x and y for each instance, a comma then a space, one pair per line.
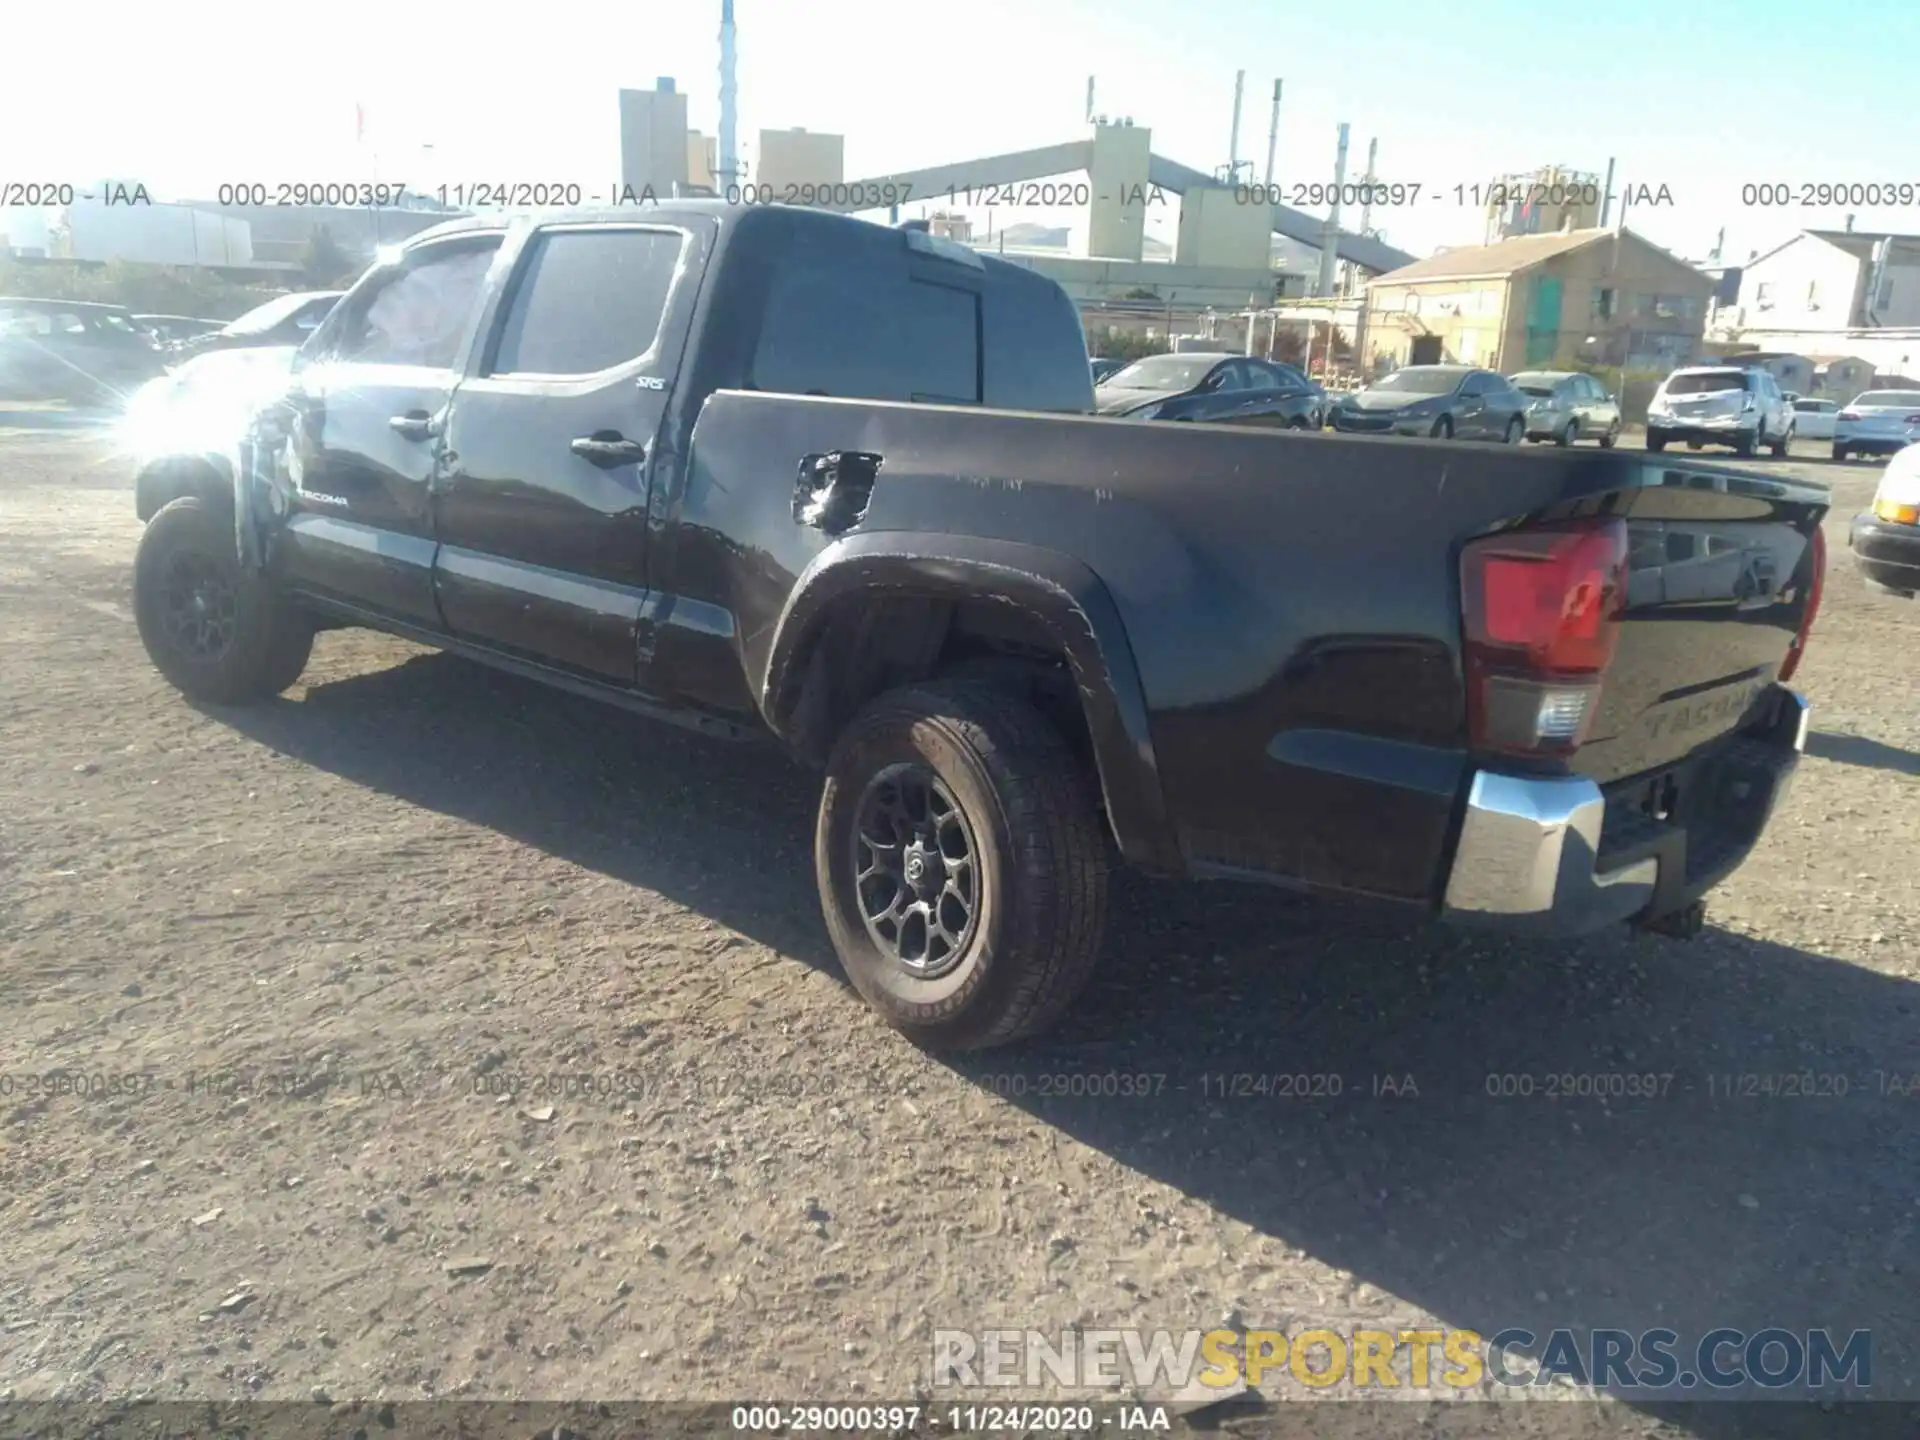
1720, 405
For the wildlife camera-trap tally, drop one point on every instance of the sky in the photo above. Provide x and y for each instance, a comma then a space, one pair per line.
1703, 99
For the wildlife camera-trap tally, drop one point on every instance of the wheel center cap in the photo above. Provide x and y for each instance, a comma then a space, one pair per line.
924, 871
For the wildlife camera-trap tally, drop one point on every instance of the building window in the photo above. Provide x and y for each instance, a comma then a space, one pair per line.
1412, 304
1603, 303
1763, 294
1813, 295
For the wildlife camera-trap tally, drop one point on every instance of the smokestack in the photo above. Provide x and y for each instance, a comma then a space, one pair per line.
1366, 194
1273, 133
729, 160
1876, 277
1849, 224
1233, 141
1606, 196
1330, 233
1089, 99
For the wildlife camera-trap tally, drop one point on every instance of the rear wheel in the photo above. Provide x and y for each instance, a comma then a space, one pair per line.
1743, 445
1780, 447
217, 633
961, 864
1839, 451
1656, 442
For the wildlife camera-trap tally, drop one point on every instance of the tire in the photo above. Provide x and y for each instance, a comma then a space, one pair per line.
1040, 862
267, 641
1567, 436
1744, 445
1656, 442
1298, 422
1612, 437
1516, 431
1442, 428
1839, 452
1780, 447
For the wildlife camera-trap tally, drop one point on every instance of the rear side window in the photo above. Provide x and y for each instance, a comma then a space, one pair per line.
588, 300
831, 331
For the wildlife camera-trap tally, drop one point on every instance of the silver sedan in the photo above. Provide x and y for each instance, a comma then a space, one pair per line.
1566, 405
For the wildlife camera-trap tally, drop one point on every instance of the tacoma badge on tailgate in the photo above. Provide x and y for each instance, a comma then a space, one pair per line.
1714, 710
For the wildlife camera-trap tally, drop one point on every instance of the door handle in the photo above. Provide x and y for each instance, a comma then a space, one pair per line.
833, 490
608, 447
415, 425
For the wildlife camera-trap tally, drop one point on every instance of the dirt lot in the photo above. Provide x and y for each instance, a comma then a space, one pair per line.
421, 888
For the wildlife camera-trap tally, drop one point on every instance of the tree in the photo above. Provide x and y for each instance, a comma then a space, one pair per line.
1141, 292
323, 261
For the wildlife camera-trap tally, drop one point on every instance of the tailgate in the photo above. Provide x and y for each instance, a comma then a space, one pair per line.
1719, 577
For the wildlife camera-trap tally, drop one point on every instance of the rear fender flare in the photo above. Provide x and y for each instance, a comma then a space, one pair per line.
1058, 591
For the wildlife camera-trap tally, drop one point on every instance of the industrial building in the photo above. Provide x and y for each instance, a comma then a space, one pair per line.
1576, 299
796, 158
654, 140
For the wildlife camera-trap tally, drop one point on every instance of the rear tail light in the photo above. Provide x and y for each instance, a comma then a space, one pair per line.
1848, 415
1541, 611
1816, 587
1911, 420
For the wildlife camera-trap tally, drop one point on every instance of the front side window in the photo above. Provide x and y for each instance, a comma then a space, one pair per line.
421, 313
588, 300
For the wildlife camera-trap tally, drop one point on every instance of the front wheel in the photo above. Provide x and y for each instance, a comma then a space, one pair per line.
1608, 440
1780, 447
1743, 445
1442, 428
217, 633
1516, 431
961, 864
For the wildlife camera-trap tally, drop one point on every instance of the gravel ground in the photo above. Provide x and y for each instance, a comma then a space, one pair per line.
419, 888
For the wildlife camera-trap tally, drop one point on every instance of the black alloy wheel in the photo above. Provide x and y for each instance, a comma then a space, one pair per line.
915, 863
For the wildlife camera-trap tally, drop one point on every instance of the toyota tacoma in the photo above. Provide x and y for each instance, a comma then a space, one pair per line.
775, 472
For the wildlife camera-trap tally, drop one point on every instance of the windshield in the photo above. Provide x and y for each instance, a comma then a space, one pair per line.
265, 317
1421, 380
1164, 372
1890, 399
1706, 382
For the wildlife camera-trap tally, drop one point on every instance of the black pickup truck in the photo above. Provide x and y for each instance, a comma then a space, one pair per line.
766, 470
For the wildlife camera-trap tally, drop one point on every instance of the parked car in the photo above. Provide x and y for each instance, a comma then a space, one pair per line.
287, 320
1215, 387
183, 429
171, 329
1886, 536
681, 463
1813, 419
1447, 402
1877, 422
1103, 368
1566, 405
73, 350
1720, 405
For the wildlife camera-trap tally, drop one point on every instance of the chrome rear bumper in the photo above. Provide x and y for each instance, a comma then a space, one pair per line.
1530, 855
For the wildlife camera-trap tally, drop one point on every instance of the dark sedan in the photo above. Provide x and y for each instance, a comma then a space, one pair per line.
1446, 402
1220, 388
73, 350
287, 320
